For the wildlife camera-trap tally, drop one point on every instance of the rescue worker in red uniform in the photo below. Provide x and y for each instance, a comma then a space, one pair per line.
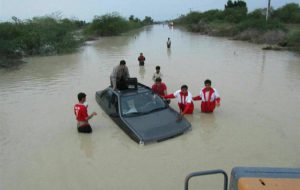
159, 87
81, 114
209, 96
184, 98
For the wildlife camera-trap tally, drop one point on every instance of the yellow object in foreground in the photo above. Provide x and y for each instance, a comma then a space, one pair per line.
268, 184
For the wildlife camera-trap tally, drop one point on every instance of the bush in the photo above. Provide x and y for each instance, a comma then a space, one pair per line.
258, 14
294, 40
213, 15
8, 39
108, 25
260, 24
236, 11
190, 18
290, 13
113, 24
35, 36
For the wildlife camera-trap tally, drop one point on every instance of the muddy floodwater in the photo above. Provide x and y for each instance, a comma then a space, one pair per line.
257, 124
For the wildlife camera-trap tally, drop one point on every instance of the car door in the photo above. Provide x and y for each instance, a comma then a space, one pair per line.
105, 99
113, 105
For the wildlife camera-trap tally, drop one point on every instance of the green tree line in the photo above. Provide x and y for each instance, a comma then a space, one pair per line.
235, 19
54, 35
113, 24
40, 35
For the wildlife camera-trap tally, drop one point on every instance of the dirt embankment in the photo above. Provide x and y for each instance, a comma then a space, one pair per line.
273, 39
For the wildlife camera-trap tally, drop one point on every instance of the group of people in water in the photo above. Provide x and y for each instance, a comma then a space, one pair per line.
208, 95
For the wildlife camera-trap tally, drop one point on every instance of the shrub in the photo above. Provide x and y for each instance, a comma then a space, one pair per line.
34, 36
113, 24
257, 14
294, 40
260, 24
290, 13
236, 11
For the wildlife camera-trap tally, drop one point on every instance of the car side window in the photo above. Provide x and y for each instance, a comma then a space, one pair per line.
113, 105
106, 98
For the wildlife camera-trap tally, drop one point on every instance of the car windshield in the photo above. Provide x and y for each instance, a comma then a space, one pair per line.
142, 103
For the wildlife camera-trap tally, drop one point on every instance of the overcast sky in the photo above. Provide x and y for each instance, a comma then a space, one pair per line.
87, 9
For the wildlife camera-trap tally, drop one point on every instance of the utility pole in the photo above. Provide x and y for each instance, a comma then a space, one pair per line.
268, 10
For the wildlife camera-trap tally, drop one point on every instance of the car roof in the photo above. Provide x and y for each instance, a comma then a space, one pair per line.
133, 91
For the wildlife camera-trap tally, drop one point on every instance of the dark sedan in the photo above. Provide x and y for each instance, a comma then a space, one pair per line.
143, 115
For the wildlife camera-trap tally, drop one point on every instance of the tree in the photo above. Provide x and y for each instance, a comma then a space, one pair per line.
235, 4
147, 20
235, 11
290, 13
131, 18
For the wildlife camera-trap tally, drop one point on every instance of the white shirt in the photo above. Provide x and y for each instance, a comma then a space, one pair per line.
181, 99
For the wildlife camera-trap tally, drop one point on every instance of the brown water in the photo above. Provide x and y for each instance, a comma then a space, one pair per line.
256, 125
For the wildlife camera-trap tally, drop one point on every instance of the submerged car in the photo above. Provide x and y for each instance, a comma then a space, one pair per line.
142, 114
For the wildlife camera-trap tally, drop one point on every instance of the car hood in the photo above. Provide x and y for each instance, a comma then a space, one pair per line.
157, 126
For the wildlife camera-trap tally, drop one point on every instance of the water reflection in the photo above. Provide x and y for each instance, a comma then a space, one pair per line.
142, 71
11, 64
115, 44
169, 52
86, 144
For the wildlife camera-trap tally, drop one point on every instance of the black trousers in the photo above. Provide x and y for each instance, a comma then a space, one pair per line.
122, 84
85, 129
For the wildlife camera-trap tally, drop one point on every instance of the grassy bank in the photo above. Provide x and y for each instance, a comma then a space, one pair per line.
281, 30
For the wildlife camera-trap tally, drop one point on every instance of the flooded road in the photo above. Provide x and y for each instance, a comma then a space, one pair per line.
257, 123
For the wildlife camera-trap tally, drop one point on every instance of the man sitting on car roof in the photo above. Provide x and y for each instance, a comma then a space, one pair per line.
119, 76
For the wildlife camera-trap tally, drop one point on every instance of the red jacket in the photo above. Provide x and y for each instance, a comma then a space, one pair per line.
159, 89
209, 99
141, 58
185, 102
81, 112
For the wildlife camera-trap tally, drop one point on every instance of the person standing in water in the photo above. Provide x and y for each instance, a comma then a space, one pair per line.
141, 59
159, 87
81, 113
169, 43
209, 96
157, 74
184, 98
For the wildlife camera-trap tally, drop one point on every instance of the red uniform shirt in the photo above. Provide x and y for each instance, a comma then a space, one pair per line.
159, 89
141, 58
81, 113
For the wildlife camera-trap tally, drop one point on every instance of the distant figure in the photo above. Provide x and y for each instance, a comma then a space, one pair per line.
141, 59
81, 114
184, 98
157, 74
209, 96
119, 76
169, 43
159, 87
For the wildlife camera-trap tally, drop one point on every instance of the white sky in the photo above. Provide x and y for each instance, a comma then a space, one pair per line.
87, 9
